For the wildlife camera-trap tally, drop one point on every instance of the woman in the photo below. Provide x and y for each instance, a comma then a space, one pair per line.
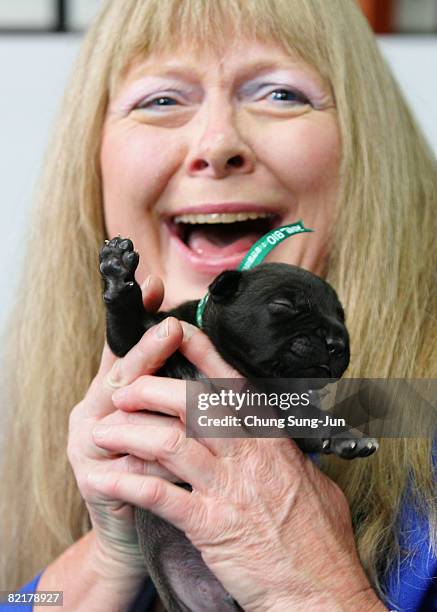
298, 117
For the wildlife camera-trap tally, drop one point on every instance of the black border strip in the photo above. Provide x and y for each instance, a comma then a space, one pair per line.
61, 15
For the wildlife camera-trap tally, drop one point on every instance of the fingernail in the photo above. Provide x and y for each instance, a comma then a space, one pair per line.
115, 374
188, 329
101, 430
162, 331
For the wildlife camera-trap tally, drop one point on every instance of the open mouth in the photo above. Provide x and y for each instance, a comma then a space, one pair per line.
220, 237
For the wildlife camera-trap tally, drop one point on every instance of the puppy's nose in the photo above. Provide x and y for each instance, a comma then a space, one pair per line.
335, 344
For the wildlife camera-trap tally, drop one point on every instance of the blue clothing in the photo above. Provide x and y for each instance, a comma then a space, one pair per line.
412, 586
30, 587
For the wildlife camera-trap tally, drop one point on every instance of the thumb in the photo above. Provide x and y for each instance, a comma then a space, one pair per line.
101, 388
107, 360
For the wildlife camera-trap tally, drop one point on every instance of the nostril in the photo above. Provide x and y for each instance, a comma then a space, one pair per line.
237, 161
335, 346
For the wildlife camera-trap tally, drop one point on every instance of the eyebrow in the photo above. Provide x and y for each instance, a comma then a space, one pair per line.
256, 68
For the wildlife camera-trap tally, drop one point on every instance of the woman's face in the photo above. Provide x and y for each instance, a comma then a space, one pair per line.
195, 144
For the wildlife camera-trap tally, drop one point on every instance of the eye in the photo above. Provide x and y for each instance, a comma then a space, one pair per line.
282, 306
157, 102
289, 95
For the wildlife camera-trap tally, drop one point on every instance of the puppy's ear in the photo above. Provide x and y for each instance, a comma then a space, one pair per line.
224, 286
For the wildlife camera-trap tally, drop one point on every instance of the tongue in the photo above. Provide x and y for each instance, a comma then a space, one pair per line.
222, 240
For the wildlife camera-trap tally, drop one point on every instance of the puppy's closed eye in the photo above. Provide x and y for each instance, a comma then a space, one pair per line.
283, 305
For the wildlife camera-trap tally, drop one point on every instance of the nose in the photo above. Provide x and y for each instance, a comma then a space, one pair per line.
220, 150
335, 344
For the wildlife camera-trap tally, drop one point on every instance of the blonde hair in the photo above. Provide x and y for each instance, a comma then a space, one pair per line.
382, 261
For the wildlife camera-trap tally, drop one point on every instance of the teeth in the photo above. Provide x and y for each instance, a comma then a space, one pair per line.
221, 217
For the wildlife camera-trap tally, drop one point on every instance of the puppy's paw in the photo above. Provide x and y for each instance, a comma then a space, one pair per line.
348, 448
118, 262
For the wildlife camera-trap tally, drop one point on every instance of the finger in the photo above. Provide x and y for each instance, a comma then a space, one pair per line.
121, 417
153, 293
165, 395
149, 354
198, 349
106, 362
185, 457
155, 393
134, 465
98, 400
145, 357
172, 503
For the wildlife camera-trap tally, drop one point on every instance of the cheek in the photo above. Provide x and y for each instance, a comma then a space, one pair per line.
306, 153
305, 156
135, 170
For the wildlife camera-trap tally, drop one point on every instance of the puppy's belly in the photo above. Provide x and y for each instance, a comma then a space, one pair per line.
192, 581
177, 567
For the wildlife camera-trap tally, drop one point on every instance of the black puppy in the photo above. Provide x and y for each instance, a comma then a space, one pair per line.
274, 321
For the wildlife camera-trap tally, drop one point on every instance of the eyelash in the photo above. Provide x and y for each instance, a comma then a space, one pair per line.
300, 97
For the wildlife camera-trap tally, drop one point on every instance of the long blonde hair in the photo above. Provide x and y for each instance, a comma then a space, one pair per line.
382, 261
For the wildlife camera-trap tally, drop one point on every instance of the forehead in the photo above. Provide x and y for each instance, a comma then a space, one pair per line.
217, 25
243, 58
293, 283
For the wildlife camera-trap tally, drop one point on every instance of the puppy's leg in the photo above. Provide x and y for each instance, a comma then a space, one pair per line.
126, 317
310, 445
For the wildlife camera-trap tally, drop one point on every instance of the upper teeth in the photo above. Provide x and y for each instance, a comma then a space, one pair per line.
221, 217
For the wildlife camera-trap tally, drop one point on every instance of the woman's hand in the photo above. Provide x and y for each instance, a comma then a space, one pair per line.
118, 551
270, 525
